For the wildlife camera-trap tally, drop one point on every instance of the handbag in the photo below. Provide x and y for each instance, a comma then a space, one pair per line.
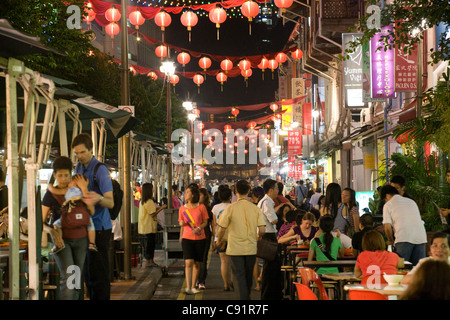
267, 249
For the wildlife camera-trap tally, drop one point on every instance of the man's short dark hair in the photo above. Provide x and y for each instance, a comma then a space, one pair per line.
301, 182
224, 194
319, 189
269, 184
62, 163
242, 187
387, 189
83, 138
366, 220
398, 180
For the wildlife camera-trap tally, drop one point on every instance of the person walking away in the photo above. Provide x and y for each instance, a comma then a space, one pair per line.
301, 192
100, 194
402, 221
313, 203
209, 235
244, 223
225, 196
271, 288
148, 224
193, 219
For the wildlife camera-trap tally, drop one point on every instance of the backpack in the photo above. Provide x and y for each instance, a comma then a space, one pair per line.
117, 194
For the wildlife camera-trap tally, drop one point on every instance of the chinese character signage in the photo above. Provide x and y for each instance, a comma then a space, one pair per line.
294, 144
298, 90
353, 72
382, 66
286, 117
282, 87
405, 70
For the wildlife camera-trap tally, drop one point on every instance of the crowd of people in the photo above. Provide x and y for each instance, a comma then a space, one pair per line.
328, 223
231, 217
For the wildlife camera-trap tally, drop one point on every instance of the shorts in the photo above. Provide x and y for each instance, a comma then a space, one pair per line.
193, 249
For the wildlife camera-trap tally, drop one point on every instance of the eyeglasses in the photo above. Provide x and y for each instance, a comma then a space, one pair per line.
442, 247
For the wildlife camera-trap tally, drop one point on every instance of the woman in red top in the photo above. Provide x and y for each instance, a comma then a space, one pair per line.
375, 260
193, 218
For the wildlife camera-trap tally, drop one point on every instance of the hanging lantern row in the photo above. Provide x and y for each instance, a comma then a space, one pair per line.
189, 19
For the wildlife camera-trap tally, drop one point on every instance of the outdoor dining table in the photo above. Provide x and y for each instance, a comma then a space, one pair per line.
382, 288
342, 278
340, 263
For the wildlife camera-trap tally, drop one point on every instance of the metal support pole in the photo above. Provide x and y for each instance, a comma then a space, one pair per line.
125, 99
419, 77
14, 69
169, 133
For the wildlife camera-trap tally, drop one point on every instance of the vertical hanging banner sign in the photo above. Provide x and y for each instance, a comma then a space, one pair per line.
382, 66
294, 149
298, 90
307, 118
405, 70
353, 72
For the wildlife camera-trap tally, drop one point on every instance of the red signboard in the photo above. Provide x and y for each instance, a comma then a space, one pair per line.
294, 149
307, 120
405, 70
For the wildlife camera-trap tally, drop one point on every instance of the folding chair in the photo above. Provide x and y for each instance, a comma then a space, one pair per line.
308, 275
304, 292
365, 295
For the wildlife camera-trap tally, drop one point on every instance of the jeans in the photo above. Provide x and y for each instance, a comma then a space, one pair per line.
203, 272
97, 274
411, 252
74, 253
272, 278
242, 268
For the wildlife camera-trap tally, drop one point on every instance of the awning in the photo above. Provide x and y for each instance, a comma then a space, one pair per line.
409, 113
157, 143
119, 121
16, 43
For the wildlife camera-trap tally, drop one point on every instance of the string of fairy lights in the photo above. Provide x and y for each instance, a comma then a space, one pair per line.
265, 12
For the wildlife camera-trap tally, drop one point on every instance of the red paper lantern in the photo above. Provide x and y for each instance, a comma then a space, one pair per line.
152, 75
163, 19
252, 125
226, 65
281, 57
227, 127
112, 14
244, 64
90, 13
198, 79
189, 19
297, 54
274, 107
196, 112
283, 4
403, 138
218, 15
183, 58
234, 112
161, 51
136, 18
221, 77
204, 63
273, 64
246, 73
174, 79
112, 29
250, 9
264, 64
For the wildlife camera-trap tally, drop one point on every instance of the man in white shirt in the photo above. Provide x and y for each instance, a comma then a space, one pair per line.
402, 221
271, 276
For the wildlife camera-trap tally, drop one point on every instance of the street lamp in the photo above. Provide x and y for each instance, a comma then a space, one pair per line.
168, 68
188, 105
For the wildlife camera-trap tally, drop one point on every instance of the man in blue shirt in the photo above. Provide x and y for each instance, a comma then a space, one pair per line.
301, 192
100, 195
